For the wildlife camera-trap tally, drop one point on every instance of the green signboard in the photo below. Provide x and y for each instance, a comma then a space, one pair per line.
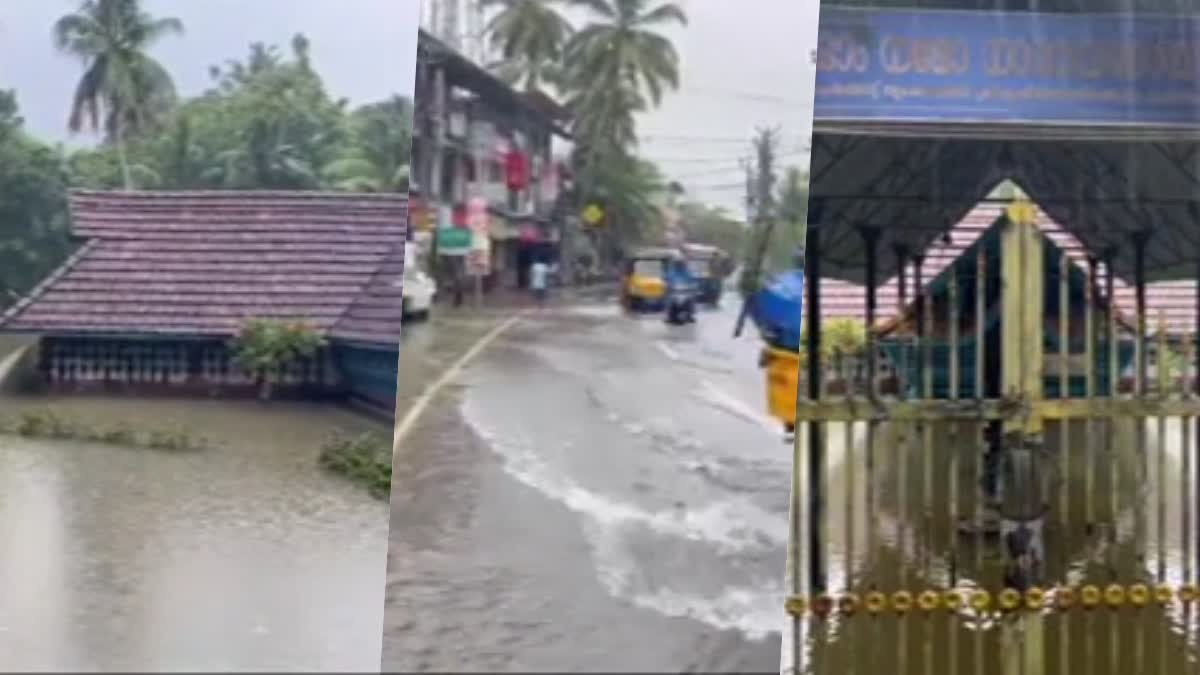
453, 241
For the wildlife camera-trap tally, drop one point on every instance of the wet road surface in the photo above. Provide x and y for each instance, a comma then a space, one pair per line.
243, 556
600, 493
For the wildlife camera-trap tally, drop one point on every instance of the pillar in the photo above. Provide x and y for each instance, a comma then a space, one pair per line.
1022, 328
1139, 281
870, 237
816, 447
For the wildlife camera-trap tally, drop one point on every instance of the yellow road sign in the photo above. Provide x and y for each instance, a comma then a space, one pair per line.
593, 214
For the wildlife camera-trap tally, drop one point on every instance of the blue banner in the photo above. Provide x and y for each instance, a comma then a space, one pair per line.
1054, 69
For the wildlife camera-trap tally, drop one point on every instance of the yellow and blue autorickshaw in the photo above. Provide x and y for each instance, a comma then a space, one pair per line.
644, 285
705, 264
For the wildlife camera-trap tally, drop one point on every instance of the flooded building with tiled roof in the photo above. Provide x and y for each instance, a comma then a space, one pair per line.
163, 281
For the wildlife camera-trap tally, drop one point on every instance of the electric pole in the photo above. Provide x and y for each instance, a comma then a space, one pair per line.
760, 188
765, 143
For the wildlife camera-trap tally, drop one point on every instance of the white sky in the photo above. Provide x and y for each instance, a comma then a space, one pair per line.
364, 49
746, 63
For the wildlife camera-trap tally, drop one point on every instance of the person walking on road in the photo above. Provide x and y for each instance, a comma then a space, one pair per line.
538, 274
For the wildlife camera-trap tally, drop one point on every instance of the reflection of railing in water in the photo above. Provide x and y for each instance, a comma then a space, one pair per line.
923, 456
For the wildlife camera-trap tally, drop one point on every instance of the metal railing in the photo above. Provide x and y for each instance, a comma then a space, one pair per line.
895, 512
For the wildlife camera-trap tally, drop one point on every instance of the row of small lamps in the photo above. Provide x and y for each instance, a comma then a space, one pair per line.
1063, 598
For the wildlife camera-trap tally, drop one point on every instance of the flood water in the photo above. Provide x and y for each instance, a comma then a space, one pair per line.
601, 493
240, 556
1141, 511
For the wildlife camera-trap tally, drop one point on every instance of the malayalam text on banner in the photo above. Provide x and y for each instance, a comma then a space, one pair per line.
962, 66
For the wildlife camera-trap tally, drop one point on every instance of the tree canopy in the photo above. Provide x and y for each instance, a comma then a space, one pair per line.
267, 121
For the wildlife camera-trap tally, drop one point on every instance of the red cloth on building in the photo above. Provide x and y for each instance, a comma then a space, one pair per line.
516, 170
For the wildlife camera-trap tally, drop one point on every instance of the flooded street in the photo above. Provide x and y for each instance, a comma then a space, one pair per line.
1111, 535
244, 555
601, 493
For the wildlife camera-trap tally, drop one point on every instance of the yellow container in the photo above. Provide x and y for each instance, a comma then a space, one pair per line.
783, 377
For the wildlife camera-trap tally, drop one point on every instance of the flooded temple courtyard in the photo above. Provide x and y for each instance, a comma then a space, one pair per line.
910, 542
240, 555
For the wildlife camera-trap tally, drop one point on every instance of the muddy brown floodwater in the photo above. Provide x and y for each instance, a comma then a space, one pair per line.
907, 547
241, 556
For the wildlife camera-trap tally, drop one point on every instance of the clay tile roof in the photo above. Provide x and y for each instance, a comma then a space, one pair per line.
374, 316
848, 300
199, 263
1174, 301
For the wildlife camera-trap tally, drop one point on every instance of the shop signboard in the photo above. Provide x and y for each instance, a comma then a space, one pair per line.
453, 241
1007, 67
480, 255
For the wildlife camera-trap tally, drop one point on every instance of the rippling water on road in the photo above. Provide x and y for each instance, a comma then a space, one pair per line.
605, 493
243, 556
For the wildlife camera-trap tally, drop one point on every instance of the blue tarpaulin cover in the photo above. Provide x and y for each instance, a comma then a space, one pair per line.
777, 309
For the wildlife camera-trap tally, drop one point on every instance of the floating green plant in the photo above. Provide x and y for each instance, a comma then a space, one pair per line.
365, 459
46, 424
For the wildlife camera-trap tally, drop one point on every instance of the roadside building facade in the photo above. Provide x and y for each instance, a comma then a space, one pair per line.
162, 283
475, 137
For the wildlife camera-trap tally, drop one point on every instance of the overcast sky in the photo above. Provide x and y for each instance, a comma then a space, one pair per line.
364, 49
745, 64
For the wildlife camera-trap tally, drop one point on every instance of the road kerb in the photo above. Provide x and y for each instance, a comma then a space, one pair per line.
406, 424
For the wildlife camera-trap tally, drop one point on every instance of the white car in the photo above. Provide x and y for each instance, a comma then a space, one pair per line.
417, 290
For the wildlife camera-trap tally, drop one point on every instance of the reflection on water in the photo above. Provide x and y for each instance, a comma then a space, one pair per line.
242, 556
1111, 532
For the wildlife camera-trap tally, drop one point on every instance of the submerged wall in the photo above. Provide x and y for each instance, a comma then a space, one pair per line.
368, 373
165, 365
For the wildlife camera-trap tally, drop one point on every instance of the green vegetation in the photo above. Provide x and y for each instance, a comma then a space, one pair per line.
46, 424
840, 339
792, 218
365, 459
265, 348
266, 121
704, 224
123, 90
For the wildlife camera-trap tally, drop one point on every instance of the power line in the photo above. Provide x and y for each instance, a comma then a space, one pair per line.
707, 172
716, 171
715, 188
695, 160
798, 150
677, 138
717, 92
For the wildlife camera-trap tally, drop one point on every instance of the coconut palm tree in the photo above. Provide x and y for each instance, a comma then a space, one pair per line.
605, 117
617, 67
378, 160
529, 36
123, 89
622, 46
